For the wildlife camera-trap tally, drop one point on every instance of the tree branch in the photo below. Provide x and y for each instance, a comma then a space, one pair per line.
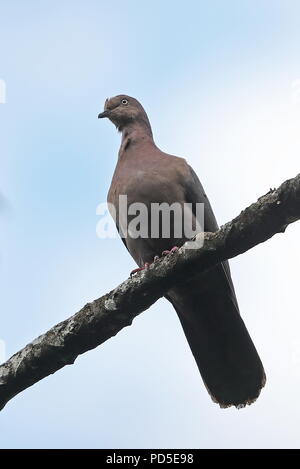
105, 317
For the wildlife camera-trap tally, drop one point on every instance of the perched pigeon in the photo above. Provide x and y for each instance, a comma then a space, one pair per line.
206, 306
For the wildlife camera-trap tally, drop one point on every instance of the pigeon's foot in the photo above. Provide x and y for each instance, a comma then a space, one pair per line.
139, 269
174, 249
156, 258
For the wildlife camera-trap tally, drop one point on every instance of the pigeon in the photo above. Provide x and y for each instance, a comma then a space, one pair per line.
206, 305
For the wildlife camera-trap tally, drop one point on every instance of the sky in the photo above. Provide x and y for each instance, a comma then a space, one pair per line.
220, 82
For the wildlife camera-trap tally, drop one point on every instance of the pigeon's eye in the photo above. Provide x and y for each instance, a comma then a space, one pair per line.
124, 102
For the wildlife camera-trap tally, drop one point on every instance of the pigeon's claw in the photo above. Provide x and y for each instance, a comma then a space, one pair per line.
156, 258
174, 249
134, 271
139, 269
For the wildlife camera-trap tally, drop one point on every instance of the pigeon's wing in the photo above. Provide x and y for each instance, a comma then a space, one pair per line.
208, 311
195, 193
121, 235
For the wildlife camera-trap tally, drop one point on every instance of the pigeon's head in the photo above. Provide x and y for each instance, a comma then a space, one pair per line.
124, 110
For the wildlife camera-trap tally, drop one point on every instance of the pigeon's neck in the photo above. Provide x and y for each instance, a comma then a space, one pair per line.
136, 133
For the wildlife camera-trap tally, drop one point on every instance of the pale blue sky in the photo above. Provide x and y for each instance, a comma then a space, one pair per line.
219, 82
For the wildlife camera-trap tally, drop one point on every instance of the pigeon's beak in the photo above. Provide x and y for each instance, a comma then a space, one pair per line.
103, 114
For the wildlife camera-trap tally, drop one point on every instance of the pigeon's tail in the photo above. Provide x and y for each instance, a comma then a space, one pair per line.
225, 354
